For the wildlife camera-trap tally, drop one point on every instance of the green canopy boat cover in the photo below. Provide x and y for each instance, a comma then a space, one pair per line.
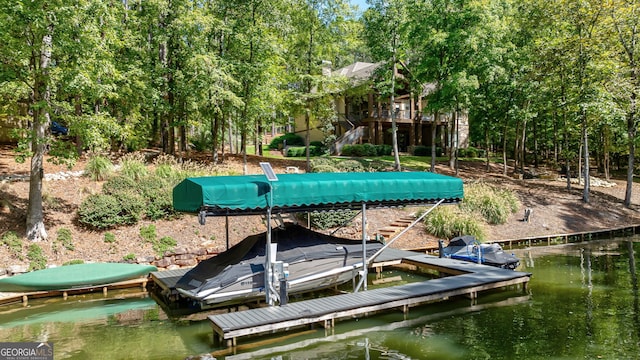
254, 194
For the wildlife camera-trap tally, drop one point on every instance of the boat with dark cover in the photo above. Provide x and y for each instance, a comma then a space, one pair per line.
315, 261
468, 248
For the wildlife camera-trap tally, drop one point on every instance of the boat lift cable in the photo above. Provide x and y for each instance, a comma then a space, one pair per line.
370, 260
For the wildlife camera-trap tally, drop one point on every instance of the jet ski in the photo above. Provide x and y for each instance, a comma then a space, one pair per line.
468, 248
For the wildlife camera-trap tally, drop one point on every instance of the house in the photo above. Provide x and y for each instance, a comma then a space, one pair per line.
364, 115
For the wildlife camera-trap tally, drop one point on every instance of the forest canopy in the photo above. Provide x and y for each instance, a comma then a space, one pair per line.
552, 81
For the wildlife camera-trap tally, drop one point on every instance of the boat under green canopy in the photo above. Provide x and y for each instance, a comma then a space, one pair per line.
254, 194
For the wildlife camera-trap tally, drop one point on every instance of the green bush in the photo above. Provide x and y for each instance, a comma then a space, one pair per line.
148, 233
157, 193
366, 150
422, 151
119, 184
129, 257
104, 211
202, 141
98, 167
301, 151
290, 138
109, 237
329, 219
350, 166
384, 150
13, 242
166, 243
323, 168
323, 164
65, 238
37, 260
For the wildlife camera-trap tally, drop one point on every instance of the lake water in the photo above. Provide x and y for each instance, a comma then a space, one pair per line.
582, 303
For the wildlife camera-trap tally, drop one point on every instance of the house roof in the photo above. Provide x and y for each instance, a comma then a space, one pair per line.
357, 71
253, 194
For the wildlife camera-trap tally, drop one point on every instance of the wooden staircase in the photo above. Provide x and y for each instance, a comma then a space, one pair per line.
395, 227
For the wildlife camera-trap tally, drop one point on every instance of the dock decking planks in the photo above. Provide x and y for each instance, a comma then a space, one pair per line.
474, 278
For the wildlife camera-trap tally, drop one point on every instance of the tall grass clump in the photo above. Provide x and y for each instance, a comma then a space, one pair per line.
132, 165
98, 167
13, 242
450, 221
493, 204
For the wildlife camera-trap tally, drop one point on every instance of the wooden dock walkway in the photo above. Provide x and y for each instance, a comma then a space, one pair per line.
469, 279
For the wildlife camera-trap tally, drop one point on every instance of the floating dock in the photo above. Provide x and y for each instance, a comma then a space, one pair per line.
467, 279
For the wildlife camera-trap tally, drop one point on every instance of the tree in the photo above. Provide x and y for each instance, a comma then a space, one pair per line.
625, 20
31, 31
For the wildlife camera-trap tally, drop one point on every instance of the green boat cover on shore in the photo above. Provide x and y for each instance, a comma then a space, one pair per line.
74, 276
220, 195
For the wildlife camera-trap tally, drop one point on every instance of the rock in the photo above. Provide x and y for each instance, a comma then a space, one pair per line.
17, 269
164, 262
3, 272
180, 251
145, 259
173, 267
187, 262
185, 257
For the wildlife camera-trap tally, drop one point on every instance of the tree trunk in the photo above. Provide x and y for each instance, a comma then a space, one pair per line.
632, 130
585, 139
41, 95
434, 128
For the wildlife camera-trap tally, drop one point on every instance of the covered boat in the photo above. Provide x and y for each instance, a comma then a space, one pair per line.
468, 248
315, 261
74, 276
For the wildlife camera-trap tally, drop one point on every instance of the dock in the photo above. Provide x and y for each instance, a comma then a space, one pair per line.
465, 279
65, 293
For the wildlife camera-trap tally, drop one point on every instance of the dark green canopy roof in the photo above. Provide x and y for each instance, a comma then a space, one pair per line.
253, 194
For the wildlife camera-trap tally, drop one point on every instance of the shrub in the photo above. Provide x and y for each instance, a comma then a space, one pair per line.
350, 166
129, 257
422, 151
290, 138
98, 167
37, 261
384, 150
329, 219
323, 164
360, 150
13, 242
118, 184
148, 233
109, 237
65, 238
323, 168
104, 211
158, 196
166, 243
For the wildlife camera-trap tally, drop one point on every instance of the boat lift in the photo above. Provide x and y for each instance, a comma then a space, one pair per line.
289, 193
